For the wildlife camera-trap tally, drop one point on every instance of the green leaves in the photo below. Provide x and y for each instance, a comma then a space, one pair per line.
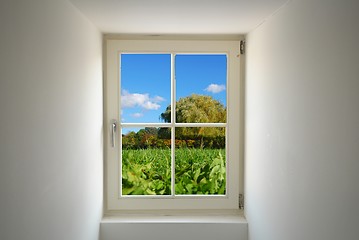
146, 172
197, 109
205, 172
197, 172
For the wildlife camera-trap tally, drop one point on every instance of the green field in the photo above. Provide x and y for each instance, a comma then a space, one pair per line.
197, 171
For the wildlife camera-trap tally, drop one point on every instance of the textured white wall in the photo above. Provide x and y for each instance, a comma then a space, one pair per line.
50, 122
302, 123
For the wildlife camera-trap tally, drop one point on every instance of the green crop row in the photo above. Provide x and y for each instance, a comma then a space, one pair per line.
197, 171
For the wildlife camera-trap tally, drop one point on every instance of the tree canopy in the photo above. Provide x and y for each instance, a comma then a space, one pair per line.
197, 109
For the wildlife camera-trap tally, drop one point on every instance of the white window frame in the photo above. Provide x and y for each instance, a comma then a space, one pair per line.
112, 106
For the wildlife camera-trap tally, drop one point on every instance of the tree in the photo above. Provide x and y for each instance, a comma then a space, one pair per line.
129, 140
198, 109
151, 130
147, 137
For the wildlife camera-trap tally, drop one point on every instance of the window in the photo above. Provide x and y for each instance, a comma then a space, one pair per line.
172, 121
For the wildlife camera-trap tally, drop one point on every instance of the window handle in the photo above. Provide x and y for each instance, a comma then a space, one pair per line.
113, 132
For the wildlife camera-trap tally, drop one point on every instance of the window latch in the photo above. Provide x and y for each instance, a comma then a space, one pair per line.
113, 133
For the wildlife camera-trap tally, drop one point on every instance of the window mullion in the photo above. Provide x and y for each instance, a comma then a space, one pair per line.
173, 120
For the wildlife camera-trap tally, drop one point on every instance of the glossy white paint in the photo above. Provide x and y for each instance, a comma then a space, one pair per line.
177, 17
302, 123
51, 160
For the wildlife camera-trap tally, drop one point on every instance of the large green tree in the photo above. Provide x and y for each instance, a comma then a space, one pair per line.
198, 109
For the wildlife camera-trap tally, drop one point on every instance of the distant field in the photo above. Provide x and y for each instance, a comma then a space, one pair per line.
198, 171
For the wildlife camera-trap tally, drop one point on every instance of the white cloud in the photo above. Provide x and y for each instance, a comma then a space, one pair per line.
130, 100
150, 105
137, 115
158, 99
215, 88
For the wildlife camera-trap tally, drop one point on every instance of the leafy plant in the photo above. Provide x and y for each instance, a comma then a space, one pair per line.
146, 172
200, 171
197, 171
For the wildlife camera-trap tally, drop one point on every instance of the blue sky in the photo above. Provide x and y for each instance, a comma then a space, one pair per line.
146, 82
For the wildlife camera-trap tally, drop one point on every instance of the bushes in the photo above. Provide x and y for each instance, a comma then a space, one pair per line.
146, 141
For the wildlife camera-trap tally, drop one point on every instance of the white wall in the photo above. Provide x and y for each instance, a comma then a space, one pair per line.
50, 122
302, 123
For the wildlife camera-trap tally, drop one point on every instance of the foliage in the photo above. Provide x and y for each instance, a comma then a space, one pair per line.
146, 172
197, 171
145, 140
191, 109
199, 153
200, 171
197, 109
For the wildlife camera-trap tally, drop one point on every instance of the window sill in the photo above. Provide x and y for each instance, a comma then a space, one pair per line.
213, 216
174, 225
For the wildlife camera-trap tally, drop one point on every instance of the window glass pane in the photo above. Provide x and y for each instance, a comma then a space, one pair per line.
200, 161
145, 87
201, 88
146, 161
